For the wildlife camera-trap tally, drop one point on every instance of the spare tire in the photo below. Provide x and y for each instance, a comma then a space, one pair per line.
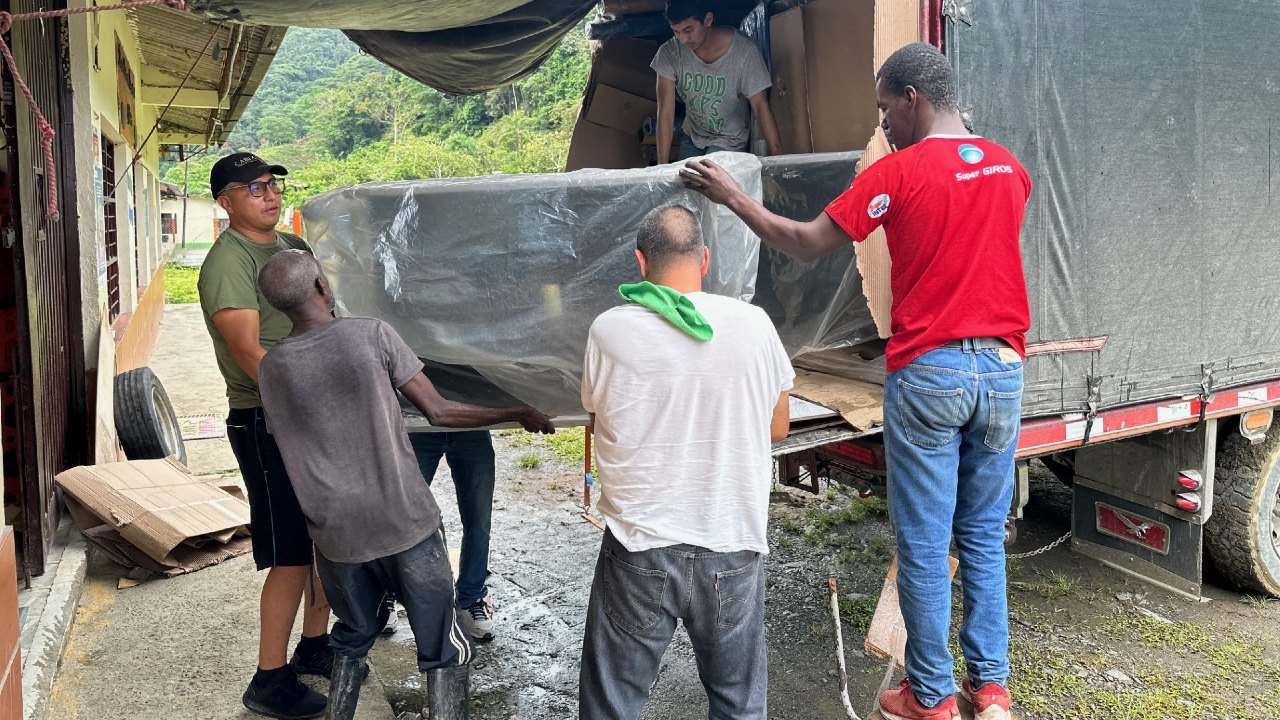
1242, 537
145, 421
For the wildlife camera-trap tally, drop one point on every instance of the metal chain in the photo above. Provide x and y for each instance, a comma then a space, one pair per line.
1041, 551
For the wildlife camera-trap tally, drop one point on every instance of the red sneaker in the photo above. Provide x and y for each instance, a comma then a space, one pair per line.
901, 704
990, 702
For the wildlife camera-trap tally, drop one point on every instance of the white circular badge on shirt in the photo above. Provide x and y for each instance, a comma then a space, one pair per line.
879, 205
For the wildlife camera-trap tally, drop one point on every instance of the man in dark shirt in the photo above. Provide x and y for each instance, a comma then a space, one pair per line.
329, 391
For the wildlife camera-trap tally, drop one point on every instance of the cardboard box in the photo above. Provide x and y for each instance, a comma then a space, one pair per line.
620, 110
824, 75
155, 514
623, 63
597, 146
10, 630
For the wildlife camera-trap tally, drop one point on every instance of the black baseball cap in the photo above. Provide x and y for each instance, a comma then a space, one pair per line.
240, 167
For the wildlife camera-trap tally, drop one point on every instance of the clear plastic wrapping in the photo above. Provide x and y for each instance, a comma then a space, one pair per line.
504, 274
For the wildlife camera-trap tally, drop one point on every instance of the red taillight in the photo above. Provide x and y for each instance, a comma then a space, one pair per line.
1188, 502
1190, 479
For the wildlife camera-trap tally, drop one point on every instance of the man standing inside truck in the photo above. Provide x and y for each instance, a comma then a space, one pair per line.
243, 327
329, 390
722, 79
951, 204
686, 390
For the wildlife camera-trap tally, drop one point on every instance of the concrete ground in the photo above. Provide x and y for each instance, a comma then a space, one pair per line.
180, 647
1086, 642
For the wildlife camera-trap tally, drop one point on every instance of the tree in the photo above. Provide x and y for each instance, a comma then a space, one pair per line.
277, 130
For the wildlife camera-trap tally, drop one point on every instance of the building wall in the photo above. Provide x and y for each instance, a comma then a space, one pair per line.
101, 44
114, 74
202, 213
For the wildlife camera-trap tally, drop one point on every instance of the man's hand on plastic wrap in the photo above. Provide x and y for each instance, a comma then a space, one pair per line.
536, 421
708, 178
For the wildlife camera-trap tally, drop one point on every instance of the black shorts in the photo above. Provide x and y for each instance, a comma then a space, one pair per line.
279, 528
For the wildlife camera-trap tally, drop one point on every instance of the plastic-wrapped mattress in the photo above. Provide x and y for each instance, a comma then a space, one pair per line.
505, 273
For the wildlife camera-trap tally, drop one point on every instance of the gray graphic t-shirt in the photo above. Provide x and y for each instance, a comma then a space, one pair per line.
716, 96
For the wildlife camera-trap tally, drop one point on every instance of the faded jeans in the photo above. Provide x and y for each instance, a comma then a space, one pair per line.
421, 578
469, 454
636, 599
951, 427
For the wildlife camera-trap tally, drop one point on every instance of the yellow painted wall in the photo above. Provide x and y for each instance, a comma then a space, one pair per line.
106, 27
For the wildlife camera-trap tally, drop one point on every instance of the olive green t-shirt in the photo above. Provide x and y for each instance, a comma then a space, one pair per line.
229, 279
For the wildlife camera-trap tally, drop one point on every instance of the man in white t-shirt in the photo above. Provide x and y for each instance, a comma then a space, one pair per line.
686, 391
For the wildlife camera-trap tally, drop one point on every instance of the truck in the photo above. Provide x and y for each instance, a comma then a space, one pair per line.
1150, 244
1149, 247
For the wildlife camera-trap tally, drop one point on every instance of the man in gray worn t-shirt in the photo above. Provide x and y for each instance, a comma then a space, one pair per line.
722, 79
329, 392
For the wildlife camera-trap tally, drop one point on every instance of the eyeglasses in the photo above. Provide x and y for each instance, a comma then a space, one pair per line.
257, 188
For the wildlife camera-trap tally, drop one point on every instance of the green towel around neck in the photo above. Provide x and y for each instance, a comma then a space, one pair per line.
668, 303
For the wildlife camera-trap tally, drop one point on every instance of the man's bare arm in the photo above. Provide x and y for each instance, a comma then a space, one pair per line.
239, 327
764, 115
805, 241
780, 424
448, 413
666, 118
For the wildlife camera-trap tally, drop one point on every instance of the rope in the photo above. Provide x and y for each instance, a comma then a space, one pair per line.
46, 130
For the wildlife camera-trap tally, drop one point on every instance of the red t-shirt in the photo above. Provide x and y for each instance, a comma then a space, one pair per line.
951, 208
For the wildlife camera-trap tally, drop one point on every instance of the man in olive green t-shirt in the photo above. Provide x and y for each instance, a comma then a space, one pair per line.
243, 325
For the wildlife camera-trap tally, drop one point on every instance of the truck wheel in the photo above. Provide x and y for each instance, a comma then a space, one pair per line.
1242, 536
145, 421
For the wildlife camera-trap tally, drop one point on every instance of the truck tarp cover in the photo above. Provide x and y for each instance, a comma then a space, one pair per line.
506, 273
1148, 132
458, 46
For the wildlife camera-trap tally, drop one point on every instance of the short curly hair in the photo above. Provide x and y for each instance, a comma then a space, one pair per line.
925, 68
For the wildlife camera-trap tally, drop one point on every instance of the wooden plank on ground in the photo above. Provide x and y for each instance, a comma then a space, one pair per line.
887, 636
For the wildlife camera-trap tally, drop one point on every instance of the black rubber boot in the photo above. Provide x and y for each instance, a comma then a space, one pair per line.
447, 693
344, 686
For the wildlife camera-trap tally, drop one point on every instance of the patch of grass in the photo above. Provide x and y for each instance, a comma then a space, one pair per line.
819, 629
785, 542
517, 487
529, 461
789, 524
876, 552
1055, 585
554, 486
858, 613
1049, 683
857, 509
568, 445
180, 284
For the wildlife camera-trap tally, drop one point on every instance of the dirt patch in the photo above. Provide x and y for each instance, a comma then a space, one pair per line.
1087, 641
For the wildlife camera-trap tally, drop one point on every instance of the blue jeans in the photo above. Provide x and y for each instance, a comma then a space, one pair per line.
685, 149
421, 579
470, 457
636, 599
951, 427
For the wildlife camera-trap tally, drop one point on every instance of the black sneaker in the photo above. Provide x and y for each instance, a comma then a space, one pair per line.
285, 697
317, 662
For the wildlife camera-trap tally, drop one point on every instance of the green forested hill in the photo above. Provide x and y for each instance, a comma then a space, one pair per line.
336, 117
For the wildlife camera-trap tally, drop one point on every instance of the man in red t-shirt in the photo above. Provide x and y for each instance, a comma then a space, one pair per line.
951, 204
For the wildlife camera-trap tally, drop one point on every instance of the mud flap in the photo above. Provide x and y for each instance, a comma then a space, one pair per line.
1150, 544
1131, 510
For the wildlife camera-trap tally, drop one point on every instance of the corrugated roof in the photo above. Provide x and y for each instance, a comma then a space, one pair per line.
174, 43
